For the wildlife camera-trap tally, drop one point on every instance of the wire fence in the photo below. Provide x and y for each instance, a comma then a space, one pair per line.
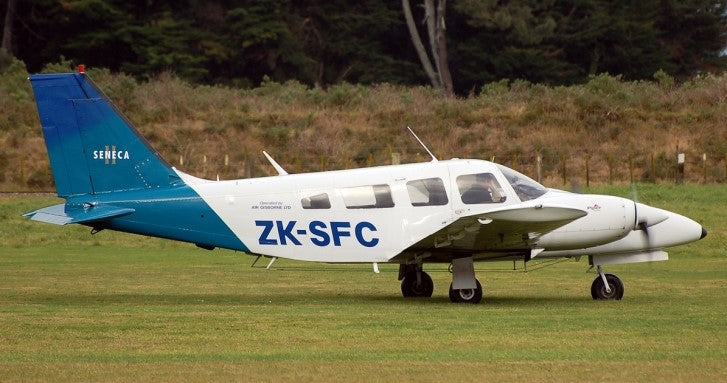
551, 170
585, 169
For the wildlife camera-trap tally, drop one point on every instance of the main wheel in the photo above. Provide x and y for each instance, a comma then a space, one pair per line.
410, 288
598, 289
466, 295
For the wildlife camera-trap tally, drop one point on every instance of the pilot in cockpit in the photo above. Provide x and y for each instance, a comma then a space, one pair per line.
482, 188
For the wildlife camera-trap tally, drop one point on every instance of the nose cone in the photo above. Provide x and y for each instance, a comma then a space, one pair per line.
675, 230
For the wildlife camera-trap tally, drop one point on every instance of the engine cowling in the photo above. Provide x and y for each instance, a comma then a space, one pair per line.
609, 219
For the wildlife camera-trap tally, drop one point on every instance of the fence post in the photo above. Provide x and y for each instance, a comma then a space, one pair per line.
46, 170
588, 171
609, 160
395, 158
181, 160
322, 160
22, 171
539, 167
225, 169
680, 167
563, 168
248, 166
704, 166
652, 176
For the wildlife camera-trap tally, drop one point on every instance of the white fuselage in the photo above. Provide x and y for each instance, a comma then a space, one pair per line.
375, 214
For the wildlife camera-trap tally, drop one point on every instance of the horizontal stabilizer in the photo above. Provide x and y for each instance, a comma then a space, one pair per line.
62, 215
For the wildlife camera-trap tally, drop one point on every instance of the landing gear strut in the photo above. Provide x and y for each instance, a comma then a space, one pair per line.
607, 286
415, 282
465, 288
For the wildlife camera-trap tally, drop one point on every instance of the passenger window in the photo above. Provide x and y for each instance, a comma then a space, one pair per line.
427, 192
318, 201
367, 197
480, 188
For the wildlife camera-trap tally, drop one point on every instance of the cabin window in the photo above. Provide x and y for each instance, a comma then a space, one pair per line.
318, 201
480, 188
427, 192
367, 197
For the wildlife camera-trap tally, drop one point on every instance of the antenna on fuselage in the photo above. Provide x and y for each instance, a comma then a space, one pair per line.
276, 165
434, 159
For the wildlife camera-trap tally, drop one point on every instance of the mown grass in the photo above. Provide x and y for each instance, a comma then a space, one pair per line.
130, 308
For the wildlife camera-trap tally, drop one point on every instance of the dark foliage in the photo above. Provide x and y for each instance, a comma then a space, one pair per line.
242, 42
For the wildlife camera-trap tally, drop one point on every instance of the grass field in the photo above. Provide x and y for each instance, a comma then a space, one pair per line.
117, 307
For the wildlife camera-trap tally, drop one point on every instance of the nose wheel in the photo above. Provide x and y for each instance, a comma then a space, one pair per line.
607, 286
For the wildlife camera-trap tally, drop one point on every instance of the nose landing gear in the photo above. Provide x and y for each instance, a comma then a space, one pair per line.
607, 286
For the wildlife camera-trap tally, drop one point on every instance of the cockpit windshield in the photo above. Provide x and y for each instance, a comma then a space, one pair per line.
525, 187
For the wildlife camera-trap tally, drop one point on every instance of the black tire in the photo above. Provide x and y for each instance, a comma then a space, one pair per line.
598, 289
466, 295
409, 287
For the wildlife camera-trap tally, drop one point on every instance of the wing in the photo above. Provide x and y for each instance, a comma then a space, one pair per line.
501, 231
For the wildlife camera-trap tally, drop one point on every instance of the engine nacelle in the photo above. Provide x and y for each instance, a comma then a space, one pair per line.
609, 219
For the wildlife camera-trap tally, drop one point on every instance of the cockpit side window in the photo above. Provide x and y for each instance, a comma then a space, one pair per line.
525, 187
480, 188
427, 192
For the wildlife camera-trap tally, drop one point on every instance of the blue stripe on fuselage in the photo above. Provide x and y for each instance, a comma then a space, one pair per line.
177, 213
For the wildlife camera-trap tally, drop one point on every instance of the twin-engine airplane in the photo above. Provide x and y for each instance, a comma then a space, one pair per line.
457, 211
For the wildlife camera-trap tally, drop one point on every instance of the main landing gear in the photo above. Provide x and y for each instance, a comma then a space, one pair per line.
465, 288
415, 282
466, 295
607, 286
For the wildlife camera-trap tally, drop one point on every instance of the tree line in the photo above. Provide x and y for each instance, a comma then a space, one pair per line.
457, 45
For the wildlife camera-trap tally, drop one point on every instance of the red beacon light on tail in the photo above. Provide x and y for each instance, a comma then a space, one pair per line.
81, 68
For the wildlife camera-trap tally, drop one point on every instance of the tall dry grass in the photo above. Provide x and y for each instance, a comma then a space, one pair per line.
622, 127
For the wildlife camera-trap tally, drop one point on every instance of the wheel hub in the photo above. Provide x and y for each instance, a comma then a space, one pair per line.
467, 294
606, 293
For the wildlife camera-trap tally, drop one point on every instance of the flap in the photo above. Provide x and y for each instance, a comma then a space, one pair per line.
61, 215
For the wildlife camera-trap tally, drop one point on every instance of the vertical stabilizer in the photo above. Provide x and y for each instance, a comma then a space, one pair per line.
92, 147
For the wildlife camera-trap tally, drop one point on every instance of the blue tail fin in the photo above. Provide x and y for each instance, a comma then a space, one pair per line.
92, 147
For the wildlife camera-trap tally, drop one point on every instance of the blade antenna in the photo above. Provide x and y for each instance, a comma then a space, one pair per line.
281, 171
434, 159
